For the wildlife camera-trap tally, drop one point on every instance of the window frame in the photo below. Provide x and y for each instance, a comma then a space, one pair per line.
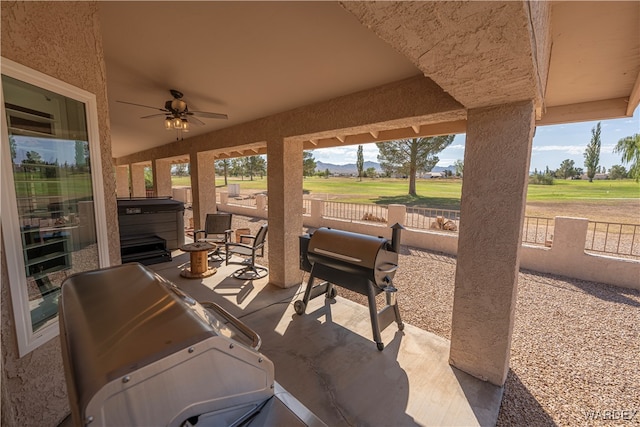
26, 338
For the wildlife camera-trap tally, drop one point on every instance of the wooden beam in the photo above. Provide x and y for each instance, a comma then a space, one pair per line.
416, 129
634, 98
374, 133
313, 141
585, 111
341, 138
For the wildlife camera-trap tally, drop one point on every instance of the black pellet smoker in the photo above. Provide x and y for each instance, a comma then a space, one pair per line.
358, 262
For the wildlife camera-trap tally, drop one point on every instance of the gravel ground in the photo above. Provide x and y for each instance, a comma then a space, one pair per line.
576, 344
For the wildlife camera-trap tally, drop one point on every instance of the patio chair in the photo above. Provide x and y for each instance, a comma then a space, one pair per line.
217, 230
251, 271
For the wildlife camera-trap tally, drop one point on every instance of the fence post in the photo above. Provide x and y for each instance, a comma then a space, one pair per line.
261, 202
317, 208
569, 236
224, 198
397, 213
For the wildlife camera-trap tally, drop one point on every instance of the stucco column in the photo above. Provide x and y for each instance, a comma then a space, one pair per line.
496, 164
137, 180
122, 181
162, 177
203, 186
284, 178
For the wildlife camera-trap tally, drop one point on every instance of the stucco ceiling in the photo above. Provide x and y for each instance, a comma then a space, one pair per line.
244, 59
254, 59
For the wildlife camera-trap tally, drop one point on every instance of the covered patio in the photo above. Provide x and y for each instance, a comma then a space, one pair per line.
327, 359
299, 75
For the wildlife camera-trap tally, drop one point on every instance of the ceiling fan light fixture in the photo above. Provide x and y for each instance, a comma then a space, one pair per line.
168, 123
178, 105
185, 125
177, 123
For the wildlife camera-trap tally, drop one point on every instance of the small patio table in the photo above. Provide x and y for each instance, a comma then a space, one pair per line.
198, 253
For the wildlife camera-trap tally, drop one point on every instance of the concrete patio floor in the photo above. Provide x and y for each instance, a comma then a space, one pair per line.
328, 360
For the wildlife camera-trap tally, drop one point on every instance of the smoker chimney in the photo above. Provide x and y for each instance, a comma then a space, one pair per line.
395, 237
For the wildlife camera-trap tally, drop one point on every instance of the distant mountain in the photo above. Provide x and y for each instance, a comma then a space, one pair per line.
351, 168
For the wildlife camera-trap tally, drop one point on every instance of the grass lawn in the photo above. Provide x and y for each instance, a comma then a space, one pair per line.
611, 201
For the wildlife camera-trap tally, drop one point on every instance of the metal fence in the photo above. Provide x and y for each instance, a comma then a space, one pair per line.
249, 201
438, 219
537, 230
306, 206
613, 238
356, 211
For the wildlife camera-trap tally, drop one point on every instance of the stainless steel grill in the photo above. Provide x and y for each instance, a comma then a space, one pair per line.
138, 351
358, 262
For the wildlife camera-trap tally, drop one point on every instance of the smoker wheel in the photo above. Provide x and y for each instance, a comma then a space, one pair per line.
299, 306
332, 293
380, 346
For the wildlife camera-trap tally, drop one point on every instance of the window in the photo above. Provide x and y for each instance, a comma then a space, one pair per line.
52, 199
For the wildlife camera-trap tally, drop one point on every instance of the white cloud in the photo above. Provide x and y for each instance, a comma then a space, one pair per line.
570, 149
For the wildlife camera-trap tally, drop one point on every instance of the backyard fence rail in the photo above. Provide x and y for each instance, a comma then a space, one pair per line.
613, 238
434, 219
537, 231
356, 211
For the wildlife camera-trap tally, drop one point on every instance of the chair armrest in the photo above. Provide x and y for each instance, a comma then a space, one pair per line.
247, 236
240, 245
195, 234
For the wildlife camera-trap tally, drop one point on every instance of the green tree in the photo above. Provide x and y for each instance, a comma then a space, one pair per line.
629, 147
308, 164
222, 167
370, 173
459, 165
13, 147
237, 168
410, 156
148, 178
360, 162
255, 165
566, 169
180, 169
592, 153
617, 172
80, 154
327, 173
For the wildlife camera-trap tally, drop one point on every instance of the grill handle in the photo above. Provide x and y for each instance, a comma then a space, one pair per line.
390, 269
256, 342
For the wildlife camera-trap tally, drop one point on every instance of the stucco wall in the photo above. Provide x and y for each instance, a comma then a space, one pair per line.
63, 40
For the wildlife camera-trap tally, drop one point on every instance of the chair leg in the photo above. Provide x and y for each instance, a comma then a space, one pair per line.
251, 272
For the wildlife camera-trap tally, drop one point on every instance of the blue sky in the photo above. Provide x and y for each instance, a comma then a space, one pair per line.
551, 145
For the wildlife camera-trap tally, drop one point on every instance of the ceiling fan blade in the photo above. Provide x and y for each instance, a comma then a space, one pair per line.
140, 105
153, 115
208, 115
193, 119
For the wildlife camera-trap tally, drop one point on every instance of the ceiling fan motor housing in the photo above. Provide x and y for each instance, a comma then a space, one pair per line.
176, 106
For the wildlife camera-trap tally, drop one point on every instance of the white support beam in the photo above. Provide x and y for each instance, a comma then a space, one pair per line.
585, 111
634, 98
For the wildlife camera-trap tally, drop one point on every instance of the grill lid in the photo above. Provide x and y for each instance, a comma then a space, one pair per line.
344, 246
108, 336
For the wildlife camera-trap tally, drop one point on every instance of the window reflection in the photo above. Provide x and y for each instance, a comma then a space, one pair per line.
49, 147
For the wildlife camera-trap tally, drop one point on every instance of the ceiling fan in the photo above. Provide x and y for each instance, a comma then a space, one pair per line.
177, 114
